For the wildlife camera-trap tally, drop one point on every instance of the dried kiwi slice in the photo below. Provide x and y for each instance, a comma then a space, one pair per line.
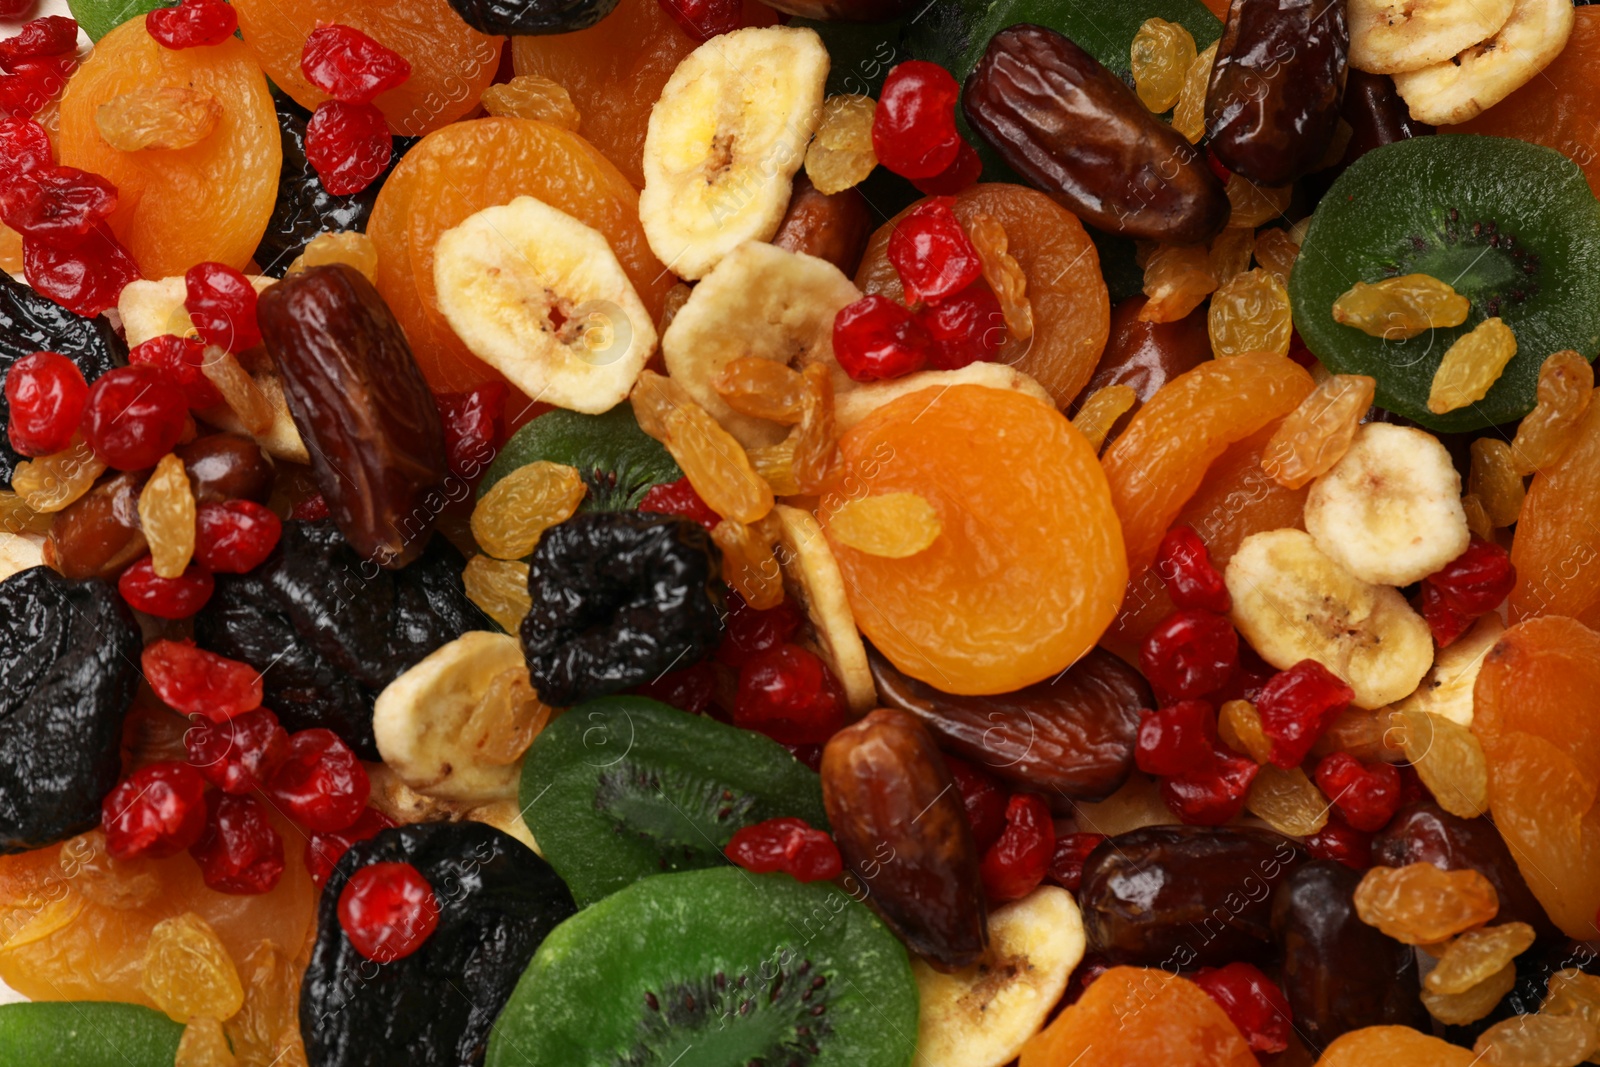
1511, 225
624, 787
617, 460
86, 1034
714, 968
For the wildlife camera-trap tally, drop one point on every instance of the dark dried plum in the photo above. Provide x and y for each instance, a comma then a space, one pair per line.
69, 655
619, 598
497, 901
328, 629
531, 17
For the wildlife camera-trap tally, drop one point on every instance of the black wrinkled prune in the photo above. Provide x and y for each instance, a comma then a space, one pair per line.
328, 630
30, 323
69, 664
531, 17
619, 598
498, 900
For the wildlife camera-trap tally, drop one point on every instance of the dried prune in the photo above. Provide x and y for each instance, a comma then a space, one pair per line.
329, 629
1073, 735
1073, 129
30, 323
69, 655
618, 599
1275, 90
1340, 974
363, 407
434, 1008
1185, 896
531, 17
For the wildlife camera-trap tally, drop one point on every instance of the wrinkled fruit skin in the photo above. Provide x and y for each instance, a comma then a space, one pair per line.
1073, 735
1376, 114
333, 627
377, 445
531, 17
901, 827
1073, 129
69, 654
1275, 90
618, 599
1185, 896
1339, 973
434, 1008
835, 228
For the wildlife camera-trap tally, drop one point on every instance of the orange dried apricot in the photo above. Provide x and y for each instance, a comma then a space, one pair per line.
1317, 434
179, 207
1393, 1046
1558, 534
1028, 567
1566, 385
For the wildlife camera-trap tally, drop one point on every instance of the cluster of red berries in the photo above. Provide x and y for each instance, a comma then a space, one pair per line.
347, 140
1014, 833
474, 425
35, 64
914, 130
1465, 589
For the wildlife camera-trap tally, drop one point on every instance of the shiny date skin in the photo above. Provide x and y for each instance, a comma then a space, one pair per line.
835, 228
377, 446
99, 533
1144, 356
902, 830
1073, 736
1073, 129
1273, 101
1376, 114
1181, 897
227, 466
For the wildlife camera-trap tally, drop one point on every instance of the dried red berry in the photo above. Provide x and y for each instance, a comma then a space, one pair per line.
388, 911
86, 280
237, 755
240, 851
14, 9
59, 206
1342, 843
787, 845
876, 338
474, 423
350, 66
1253, 1001
984, 800
1014, 865
320, 785
966, 328
689, 689
1178, 739
192, 24
196, 682
1190, 653
1184, 564
1445, 622
324, 851
932, 253
158, 810
24, 148
180, 360
52, 35
679, 498
914, 129
1366, 794
963, 171
750, 631
789, 694
33, 83
1072, 850
348, 145
1475, 582
310, 509
133, 417
1297, 706
1213, 796
46, 393
705, 19
236, 536
165, 598
222, 303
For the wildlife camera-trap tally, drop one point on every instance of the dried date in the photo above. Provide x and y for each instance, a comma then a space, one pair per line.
226, 466
98, 534
834, 228
1376, 114
1144, 356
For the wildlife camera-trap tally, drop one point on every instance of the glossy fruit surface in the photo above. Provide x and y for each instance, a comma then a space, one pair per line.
387, 910
1556, 537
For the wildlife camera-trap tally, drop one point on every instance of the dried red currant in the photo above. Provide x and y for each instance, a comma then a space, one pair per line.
222, 303
33, 83
240, 851
1177, 739
133, 417
931, 252
192, 24
158, 810
966, 328
197, 682
52, 35
388, 911
24, 148
1297, 706
914, 129
1015, 864
320, 784
705, 19
963, 171
679, 498
348, 145
1184, 564
1066, 864
1253, 1001
1190, 653
350, 66
984, 800
165, 598
788, 845
14, 9
876, 338
86, 280
237, 755
750, 631
474, 423
236, 536
1366, 794
789, 694
47, 393
324, 851
1342, 843
180, 360
1213, 796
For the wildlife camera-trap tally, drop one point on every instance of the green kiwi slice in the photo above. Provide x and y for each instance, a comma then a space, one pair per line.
717, 967
618, 461
624, 787
86, 1034
1511, 225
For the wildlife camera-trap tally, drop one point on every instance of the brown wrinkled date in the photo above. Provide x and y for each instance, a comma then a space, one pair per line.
1376, 114
226, 466
1275, 90
1073, 736
902, 830
98, 534
834, 228
376, 443
1073, 129
1146, 355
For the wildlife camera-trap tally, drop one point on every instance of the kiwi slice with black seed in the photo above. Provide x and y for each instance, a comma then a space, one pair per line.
618, 461
624, 787
717, 968
1512, 226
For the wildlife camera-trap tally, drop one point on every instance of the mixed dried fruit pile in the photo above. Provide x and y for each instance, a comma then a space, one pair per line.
843, 532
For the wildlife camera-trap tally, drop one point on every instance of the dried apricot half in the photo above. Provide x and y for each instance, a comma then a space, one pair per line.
1558, 533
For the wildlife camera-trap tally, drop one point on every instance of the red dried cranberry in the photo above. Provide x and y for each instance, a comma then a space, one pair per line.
47, 393
1342, 843
179, 360
914, 129
876, 338
1253, 1001
33, 83
1475, 582
165, 598
158, 810
1297, 706
320, 785
348, 145
966, 328
1015, 864
133, 417
222, 303
1412, 789
1190, 653
1184, 564
679, 498
1178, 739
963, 171
1366, 794
310, 509
474, 422
59, 206
237, 755
1066, 865
984, 800
1213, 796
689, 689
324, 851
350, 66
750, 631
52, 35
705, 19
240, 851
931, 252
1444, 620
388, 911
197, 682
1249, 678
787, 845
789, 694
24, 148
14, 9
192, 24
236, 536
86, 280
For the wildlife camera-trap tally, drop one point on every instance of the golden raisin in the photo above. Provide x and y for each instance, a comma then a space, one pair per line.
1566, 384
1400, 308
841, 155
203, 1044
1419, 904
1189, 116
748, 564
1230, 253
271, 1004
1477, 517
1461, 1009
1003, 273
1177, 279
671, 304
1537, 1040
1101, 411
1255, 205
187, 971
1287, 801
1161, 55
1250, 314
1239, 726
816, 439
511, 517
239, 391
1449, 760
49, 483
1494, 480
352, 249
158, 118
1476, 955
1573, 992
531, 96
1471, 366
1317, 434
715, 463
761, 388
18, 518
166, 514
506, 719
775, 464
1275, 253
891, 526
500, 588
